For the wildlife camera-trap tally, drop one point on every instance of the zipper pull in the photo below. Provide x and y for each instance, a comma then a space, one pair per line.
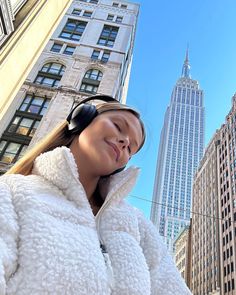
103, 249
107, 260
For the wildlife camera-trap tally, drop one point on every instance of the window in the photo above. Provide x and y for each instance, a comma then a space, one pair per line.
34, 104
91, 81
95, 54
53, 68
11, 151
119, 19
110, 17
85, 87
105, 56
56, 47
114, 4
50, 74
93, 1
87, 13
23, 126
93, 75
69, 50
123, 6
18, 134
108, 36
73, 29
76, 11
28, 116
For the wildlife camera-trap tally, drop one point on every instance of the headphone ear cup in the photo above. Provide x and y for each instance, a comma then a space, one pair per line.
114, 172
83, 113
118, 170
81, 118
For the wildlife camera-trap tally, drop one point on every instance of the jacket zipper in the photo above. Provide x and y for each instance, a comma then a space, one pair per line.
106, 257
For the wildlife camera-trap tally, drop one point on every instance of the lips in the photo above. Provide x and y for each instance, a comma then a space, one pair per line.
115, 148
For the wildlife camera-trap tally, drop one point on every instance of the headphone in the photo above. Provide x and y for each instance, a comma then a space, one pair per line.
83, 114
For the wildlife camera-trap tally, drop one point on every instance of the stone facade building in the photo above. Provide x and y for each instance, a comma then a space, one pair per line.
25, 28
89, 53
214, 225
226, 154
205, 224
182, 246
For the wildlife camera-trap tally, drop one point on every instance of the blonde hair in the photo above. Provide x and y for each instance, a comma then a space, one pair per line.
60, 136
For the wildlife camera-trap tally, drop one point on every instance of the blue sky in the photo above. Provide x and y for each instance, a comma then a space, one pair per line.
164, 29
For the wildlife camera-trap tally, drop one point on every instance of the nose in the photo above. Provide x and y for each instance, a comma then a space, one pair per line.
123, 142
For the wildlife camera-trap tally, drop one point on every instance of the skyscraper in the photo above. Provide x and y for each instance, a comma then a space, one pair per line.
180, 150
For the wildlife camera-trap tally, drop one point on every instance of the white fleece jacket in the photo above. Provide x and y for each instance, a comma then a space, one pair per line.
50, 239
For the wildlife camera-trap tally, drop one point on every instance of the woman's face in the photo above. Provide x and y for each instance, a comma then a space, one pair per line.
108, 142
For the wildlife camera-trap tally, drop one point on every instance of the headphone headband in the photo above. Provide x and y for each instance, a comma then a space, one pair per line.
105, 98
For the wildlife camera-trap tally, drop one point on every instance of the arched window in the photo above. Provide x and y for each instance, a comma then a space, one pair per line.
50, 74
91, 81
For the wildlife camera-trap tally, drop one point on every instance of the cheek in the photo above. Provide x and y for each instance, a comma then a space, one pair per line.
107, 128
97, 131
84, 144
125, 160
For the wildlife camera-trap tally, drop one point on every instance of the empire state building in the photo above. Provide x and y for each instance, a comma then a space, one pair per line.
180, 150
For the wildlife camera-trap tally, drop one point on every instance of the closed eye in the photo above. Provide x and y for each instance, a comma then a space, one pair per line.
117, 127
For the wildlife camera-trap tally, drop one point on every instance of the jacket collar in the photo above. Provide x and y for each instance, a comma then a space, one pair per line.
59, 168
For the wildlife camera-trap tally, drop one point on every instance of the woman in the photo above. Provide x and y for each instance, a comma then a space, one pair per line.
64, 226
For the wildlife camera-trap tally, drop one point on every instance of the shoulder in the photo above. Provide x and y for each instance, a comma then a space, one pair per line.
9, 180
17, 183
13, 179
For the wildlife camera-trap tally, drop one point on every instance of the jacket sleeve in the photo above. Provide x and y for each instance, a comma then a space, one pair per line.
8, 236
165, 277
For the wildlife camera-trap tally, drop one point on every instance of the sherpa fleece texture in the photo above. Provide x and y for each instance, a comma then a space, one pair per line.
50, 239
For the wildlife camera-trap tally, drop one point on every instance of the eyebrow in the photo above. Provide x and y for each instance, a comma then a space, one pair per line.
128, 127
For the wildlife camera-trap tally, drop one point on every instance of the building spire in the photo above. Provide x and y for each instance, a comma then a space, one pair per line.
186, 56
186, 66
